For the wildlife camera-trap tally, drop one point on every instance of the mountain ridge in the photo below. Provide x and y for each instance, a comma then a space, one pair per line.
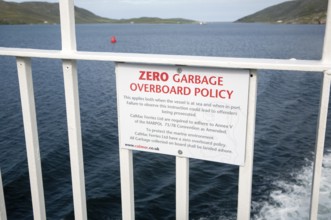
291, 12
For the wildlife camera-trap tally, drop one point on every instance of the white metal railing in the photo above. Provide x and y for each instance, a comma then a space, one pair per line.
69, 55
3, 214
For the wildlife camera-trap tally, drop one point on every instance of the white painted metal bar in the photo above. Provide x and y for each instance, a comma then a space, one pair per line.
67, 19
127, 184
3, 214
246, 172
320, 140
322, 121
223, 62
31, 136
326, 56
68, 37
75, 138
182, 188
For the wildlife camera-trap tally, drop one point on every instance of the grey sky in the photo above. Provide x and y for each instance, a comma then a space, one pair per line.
201, 10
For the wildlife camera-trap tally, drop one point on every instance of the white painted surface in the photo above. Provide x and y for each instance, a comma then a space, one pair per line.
320, 140
127, 184
31, 137
75, 138
67, 20
182, 188
246, 172
199, 112
222, 62
326, 56
3, 214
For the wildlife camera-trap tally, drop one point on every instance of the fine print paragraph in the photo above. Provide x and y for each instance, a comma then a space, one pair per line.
182, 123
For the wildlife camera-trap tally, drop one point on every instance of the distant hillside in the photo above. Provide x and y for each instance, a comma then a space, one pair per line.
44, 12
144, 20
292, 12
41, 12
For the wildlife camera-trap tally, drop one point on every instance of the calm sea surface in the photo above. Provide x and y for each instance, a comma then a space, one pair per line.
287, 110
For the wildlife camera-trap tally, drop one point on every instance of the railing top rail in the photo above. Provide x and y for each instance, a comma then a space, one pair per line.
224, 62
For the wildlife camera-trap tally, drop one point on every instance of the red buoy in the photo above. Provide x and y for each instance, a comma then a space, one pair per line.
113, 39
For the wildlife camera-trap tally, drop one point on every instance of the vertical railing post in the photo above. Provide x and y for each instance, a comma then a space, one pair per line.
3, 214
322, 120
326, 56
127, 184
68, 36
320, 140
67, 19
75, 138
31, 136
182, 188
246, 172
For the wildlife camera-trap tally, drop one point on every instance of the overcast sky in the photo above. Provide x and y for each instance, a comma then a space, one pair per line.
201, 10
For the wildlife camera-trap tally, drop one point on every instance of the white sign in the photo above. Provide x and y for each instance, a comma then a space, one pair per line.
192, 112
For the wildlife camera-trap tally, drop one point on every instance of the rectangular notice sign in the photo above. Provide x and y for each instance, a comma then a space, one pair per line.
192, 112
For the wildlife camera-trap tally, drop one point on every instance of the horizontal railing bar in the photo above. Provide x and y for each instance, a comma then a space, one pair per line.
224, 62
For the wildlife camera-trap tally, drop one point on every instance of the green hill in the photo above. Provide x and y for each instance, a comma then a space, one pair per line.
41, 12
44, 12
292, 12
